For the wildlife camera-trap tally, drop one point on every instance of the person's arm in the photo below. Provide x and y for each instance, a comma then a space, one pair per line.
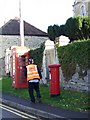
39, 72
25, 72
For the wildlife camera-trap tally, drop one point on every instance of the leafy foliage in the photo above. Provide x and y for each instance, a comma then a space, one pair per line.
86, 27
37, 55
51, 33
72, 54
76, 28
73, 28
69, 56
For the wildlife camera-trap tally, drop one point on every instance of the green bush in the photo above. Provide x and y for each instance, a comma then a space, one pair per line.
37, 55
73, 54
69, 56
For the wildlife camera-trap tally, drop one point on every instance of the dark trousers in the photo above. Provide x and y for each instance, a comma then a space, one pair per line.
34, 86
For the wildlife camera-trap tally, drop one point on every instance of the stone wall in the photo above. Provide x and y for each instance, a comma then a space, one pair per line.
2, 66
77, 83
31, 42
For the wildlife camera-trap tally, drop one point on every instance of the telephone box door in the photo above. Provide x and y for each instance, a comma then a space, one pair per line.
19, 61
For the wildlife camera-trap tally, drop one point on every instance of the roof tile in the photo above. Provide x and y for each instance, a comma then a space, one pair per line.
12, 27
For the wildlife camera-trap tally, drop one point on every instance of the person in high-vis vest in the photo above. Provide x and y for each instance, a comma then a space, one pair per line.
34, 75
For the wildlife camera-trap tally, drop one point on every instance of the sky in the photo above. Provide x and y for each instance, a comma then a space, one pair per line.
39, 13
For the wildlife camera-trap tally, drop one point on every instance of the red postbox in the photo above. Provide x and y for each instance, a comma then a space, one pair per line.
54, 79
20, 57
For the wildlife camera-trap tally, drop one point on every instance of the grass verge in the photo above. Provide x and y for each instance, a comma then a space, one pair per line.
71, 100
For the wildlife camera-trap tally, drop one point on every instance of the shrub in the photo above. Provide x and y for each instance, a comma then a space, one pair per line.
37, 55
73, 54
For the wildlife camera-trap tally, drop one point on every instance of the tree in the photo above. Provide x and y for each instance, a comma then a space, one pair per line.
51, 33
56, 30
73, 28
62, 30
86, 27
76, 28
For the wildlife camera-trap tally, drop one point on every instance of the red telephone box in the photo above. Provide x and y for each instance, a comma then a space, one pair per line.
54, 79
20, 57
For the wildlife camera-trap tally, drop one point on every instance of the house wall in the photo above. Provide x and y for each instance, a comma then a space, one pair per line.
31, 42
89, 8
77, 8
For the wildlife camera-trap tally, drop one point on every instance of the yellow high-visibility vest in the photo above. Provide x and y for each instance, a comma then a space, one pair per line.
32, 72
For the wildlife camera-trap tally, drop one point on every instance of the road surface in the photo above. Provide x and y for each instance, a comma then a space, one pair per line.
8, 112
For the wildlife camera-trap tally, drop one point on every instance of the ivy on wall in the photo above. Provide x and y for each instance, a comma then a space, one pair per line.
37, 55
69, 56
75, 53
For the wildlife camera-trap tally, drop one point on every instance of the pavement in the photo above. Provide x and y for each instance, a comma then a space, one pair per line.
41, 109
